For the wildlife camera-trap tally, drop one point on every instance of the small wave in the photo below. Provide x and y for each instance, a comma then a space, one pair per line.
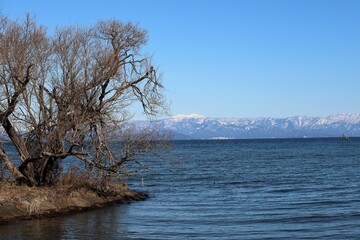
286, 190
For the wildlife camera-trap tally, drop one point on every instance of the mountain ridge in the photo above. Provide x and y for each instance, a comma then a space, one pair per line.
196, 126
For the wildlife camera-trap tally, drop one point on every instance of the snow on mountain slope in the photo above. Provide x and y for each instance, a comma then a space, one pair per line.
196, 126
183, 117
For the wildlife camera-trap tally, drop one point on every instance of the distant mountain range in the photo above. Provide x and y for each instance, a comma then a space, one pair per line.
196, 126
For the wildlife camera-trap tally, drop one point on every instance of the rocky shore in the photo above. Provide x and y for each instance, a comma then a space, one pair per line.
22, 202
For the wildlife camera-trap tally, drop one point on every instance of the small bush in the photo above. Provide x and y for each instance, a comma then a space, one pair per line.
74, 177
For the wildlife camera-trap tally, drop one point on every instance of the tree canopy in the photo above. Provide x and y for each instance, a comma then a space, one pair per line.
69, 93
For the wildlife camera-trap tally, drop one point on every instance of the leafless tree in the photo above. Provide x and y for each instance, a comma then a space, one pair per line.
69, 94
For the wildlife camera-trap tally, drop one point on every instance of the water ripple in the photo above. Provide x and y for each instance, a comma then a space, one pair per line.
243, 189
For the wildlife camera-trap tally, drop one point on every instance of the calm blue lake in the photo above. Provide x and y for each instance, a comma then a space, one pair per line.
229, 189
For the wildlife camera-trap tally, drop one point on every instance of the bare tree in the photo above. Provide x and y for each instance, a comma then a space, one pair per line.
69, 95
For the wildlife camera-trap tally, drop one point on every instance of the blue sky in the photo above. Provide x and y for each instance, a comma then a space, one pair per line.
236, 58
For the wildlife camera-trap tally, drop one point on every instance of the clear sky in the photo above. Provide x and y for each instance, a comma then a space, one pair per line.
236, 58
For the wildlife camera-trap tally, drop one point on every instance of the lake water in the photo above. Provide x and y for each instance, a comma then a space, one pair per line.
230, 189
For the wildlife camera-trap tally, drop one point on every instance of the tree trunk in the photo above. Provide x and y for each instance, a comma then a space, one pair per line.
16, 140
20, 178
12, 168
23, 152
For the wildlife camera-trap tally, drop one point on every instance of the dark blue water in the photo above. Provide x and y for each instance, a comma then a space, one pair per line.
236, 189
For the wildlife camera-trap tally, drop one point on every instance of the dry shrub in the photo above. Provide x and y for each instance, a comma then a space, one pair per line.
75, 178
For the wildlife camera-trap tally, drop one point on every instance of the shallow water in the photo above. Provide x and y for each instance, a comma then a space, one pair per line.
233, 189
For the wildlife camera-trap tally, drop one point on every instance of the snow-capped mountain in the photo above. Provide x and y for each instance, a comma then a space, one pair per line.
196, 126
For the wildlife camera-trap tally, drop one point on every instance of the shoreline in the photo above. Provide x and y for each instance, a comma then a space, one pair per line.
26, 203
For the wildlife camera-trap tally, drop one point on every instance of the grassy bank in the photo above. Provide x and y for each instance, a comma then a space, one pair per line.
22, 202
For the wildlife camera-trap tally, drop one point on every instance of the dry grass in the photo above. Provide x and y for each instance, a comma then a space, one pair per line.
72, 195
76, 179
73, 177
75, 191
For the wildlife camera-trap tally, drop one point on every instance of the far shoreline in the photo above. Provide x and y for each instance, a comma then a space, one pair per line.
262, 138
